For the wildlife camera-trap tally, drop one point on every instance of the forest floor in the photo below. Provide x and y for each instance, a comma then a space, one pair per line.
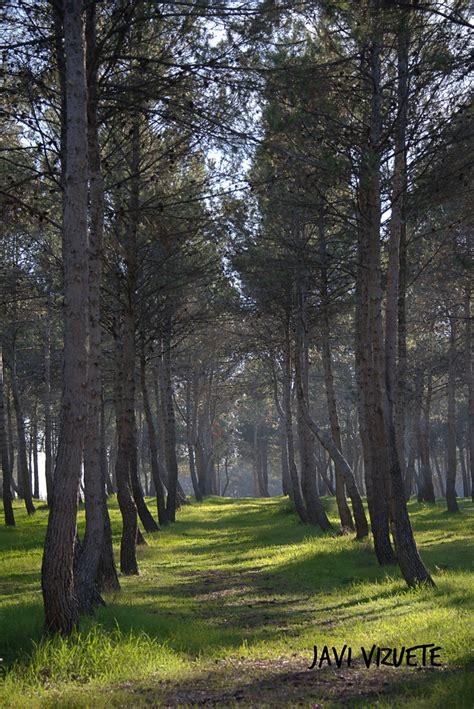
228, 607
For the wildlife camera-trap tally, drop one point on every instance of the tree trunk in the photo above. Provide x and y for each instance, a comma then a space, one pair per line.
24, 477
315, 513
144, 514
427, 491
6, 473
286, 406
95, 545
465, 480
470, 382
190, 438
409, 560
34, 446
451, 473
356, 500
60, 602
124, 406
48, 452
170, 427
154, 460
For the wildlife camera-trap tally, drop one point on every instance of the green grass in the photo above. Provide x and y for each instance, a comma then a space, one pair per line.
233, 598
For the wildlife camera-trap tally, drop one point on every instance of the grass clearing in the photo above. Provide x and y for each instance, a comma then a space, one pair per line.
227, 608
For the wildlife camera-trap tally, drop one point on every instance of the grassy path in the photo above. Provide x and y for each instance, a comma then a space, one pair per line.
227, 609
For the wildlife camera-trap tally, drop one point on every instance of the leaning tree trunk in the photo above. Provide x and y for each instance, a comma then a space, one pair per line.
451, 500
60, 602
5, 461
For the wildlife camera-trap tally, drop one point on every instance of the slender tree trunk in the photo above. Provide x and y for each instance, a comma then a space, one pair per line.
48, 452
295, 483
470, 382
144, 514
314, 509
451, 500
6, 491
60, 602
170, 427
154, 460
256, 463
24, 477
124, 405
356, 500
34, 445
264, 465
342, 506
427, 493
190, 438
285, 472
9, 424
465, 480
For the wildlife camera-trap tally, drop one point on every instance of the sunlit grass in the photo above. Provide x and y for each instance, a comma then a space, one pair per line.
236, 579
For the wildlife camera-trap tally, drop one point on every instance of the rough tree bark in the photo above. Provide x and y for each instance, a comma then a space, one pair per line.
94, 545
385, 449
60, 602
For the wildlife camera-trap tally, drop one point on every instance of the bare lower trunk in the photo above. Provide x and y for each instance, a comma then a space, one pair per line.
6, 491
86, 572
314, 509
451, 500
124, 404
385, 450
48, 452
154, 459
60, 602
190, 438
24, 478
470, 382
34, 445
144, 514
170, 428
286, 406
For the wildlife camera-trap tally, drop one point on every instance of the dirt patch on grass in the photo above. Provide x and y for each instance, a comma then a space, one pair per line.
282, 682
